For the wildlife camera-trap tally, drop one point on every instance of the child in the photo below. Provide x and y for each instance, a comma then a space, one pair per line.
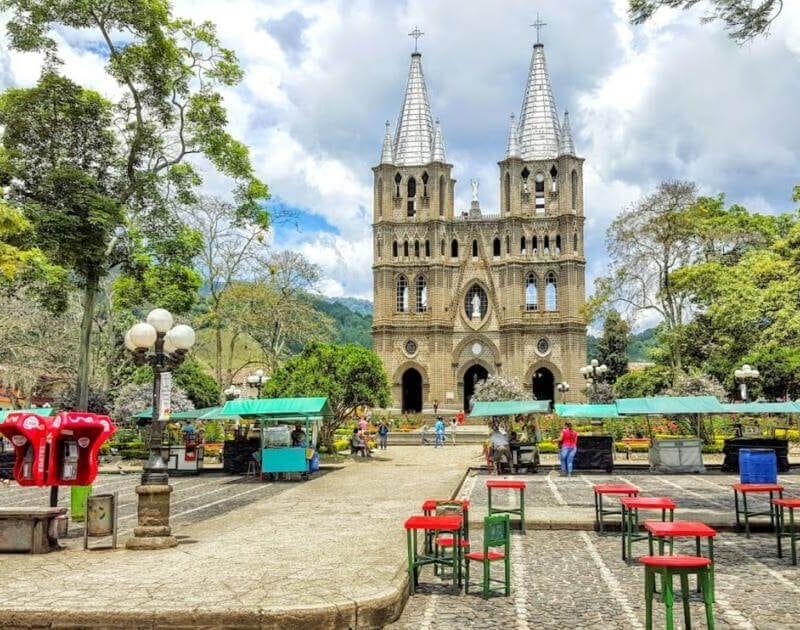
383, 435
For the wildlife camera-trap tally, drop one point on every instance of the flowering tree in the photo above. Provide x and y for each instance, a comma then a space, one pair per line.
132, 398
499, 388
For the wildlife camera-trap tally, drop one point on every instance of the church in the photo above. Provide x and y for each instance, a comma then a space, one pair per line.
461, 294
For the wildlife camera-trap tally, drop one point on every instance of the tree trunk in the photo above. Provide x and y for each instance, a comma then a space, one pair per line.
84, 353
326, 434
218, 362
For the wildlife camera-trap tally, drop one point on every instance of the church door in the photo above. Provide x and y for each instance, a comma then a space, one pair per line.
544, 385
472, 377
412, 391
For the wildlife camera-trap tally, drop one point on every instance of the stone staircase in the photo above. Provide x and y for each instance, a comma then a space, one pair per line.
466, 434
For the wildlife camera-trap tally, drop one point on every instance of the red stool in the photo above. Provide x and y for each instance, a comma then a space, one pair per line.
781, 531
630, 519
754, 488
684, 566
601, 489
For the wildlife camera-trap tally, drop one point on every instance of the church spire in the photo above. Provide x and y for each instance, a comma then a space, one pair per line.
437, 155
413, 138
538, 136
387, 153
567, 145
512, 146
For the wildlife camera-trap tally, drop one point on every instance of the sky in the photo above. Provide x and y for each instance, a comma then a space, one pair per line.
672, 99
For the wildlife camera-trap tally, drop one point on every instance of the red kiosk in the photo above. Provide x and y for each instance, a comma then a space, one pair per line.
28, 434
75, 441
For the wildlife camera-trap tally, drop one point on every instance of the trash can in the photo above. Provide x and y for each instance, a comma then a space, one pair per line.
758, 465
77, 501
101, 518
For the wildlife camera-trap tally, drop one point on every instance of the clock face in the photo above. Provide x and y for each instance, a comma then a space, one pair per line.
411, 347
539, 177
542, 346
477, 348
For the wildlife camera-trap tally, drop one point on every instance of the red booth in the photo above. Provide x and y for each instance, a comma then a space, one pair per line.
29, 434
75, 440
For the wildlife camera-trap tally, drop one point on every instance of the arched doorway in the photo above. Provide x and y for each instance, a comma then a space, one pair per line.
472, 377
412, 391
544, 385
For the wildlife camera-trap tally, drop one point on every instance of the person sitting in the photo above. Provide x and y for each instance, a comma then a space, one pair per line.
499, 447
358, 444
298, 436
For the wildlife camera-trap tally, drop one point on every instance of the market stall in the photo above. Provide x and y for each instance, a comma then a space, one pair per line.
524, 452
281, 449
594, 451
754, 439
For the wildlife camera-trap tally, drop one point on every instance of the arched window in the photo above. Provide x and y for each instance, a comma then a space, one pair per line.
475, 248
508, 244
535, 244
394, 249
575, 242
496, 246
522, 245
427, 249
442, 195
402, 294
405, 249
507, 192
412, 187
425, 184
380, 197
551, 292
574, 187
379, 247
397, 180
531, 293
546, 244
554, 178
454, 248
441, 248
422, 294
558, 244
416, 249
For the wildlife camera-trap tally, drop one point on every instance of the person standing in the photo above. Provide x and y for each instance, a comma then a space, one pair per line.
424, 434
383, 435
460, 417
439, 429
568, 446
435, 407
453, 427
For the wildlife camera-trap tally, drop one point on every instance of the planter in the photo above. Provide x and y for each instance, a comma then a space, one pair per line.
680, 455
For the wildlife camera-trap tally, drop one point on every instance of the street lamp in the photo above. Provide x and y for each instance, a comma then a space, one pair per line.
563, 388
257, 379
231, 392
744, 374
592, 372
162, 346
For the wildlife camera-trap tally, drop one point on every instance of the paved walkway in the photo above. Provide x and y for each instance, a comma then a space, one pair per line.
329, 552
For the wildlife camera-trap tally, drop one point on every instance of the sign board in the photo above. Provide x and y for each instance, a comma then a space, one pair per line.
164, 398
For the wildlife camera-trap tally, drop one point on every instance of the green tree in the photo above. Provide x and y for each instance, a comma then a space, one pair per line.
647, 382
170, 72
743, 19
613, 346
200, 387
348, 375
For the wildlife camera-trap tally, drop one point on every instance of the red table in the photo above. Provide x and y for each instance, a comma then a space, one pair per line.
508, 484
601, 489
754, 488
630, 518
429, 508
450, 523
781, 530
682, 529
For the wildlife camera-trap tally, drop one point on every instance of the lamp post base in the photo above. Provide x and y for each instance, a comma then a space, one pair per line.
153, 530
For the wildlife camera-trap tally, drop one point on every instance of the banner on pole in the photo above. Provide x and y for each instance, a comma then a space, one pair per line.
164, 398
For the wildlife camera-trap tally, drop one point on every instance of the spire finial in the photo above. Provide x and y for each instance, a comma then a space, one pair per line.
538, 24
416, 34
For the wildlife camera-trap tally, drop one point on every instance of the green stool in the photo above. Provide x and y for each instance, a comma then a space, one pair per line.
684, 566
496, 535
508, 484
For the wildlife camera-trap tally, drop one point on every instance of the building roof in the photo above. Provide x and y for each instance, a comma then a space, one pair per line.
387, 152
567, 145
512, 145
538, 134
414, 136
508, 408
437, 154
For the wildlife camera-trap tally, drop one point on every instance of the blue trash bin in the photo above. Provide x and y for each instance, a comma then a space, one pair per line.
758, 465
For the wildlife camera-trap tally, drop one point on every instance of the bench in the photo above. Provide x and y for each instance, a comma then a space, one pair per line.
633, 443
29, 529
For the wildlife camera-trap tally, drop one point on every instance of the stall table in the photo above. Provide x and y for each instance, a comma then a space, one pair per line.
682, 529
449, 523
508, 484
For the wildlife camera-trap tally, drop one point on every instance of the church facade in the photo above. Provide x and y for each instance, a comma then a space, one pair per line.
460, 295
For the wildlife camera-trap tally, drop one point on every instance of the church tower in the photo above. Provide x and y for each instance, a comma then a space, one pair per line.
462, 295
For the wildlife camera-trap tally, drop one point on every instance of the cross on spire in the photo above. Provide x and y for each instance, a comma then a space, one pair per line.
416, 34
538, 24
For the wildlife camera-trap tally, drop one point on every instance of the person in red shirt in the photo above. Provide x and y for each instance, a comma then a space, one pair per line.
568, 446
460, 417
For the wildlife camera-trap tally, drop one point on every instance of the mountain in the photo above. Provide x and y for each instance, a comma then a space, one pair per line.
638, 345
357, 305
351, 323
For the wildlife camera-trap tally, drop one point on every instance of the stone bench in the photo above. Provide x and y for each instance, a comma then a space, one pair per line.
29, 529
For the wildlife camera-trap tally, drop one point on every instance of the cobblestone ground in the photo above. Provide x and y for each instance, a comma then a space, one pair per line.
577, 579
193, 499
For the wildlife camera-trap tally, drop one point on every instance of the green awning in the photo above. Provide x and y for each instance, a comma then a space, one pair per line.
508, 408
668, 405
212, 413
572, 410
277, 408
39, 411
758, 408
189, 414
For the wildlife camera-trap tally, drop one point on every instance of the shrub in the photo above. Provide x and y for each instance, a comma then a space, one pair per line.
548, 447
212, 450
341, 444
621, 447
134, 453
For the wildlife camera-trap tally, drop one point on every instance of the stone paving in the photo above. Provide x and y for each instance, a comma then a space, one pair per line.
576, 579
